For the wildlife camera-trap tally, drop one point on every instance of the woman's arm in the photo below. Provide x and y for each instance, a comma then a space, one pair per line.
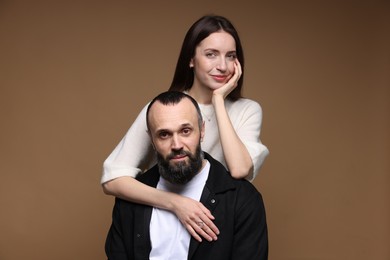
237, 157
132, 155
188, 211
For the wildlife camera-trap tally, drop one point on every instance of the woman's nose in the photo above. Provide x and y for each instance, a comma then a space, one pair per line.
222, 66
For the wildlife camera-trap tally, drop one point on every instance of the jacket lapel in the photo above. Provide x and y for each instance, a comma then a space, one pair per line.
143, 215
217, 182
193, 242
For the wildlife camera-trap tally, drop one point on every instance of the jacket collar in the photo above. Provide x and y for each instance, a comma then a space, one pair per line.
219, 181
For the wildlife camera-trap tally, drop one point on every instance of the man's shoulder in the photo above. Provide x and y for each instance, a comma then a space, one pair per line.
245, 186
149, 177
221, 178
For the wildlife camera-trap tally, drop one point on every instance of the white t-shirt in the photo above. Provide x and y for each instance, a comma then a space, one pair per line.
168, 237
134, 153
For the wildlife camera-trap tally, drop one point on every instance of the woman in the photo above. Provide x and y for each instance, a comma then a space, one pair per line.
209, 69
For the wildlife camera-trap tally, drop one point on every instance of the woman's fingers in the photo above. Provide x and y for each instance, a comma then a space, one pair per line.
203, 226
193, 233
231, 84
199, 229
197, 219
209, 227
237, 73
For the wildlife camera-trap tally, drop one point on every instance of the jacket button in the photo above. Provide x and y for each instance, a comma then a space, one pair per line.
138, 235
212, 201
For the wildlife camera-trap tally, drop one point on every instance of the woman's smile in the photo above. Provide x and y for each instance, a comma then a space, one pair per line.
219, 78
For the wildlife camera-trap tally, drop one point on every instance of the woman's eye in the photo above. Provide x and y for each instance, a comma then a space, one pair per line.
232, 56
210, 54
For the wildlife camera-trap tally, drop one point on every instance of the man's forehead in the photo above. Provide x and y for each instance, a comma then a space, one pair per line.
164, 116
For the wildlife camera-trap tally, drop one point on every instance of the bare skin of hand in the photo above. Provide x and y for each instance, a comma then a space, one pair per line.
199, 222
232, 83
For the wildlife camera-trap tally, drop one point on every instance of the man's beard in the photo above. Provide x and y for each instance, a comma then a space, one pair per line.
181, 172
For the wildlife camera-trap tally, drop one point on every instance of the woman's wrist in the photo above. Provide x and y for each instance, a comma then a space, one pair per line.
170, 201
217, 99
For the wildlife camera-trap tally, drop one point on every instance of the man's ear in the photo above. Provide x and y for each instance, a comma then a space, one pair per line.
202, 132
151, 140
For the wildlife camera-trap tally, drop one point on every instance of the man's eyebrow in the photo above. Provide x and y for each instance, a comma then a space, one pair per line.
159, 130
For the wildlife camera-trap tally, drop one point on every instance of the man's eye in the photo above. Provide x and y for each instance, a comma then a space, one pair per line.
186, 131
163, 135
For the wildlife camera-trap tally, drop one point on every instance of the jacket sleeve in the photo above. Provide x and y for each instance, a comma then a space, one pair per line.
251, 235
133, 154
115, 249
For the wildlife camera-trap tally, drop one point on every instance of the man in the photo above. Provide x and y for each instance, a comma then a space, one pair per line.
176, 130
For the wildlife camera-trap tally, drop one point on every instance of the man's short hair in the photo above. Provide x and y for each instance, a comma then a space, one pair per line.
173, 98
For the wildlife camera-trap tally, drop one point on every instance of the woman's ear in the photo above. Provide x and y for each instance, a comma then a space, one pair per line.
191, 63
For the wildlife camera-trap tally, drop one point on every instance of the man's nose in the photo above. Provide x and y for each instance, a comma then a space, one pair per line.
176, 142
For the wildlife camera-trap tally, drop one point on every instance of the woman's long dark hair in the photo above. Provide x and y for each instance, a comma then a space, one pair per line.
201, 29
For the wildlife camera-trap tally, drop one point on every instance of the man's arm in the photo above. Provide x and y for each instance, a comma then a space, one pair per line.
251, 235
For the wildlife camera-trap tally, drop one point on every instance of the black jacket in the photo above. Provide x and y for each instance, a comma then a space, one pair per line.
236, 205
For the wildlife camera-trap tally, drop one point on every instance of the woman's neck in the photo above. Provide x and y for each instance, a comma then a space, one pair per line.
201, 95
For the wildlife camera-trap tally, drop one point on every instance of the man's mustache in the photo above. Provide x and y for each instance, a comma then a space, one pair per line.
173, 154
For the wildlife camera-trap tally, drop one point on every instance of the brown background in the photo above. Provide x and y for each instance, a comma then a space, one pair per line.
74, 74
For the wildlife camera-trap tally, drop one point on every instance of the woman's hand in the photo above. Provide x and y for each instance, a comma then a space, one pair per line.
237, 157
225, 90
196, 218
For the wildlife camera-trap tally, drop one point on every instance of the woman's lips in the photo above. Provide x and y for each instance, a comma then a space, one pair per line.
219, 78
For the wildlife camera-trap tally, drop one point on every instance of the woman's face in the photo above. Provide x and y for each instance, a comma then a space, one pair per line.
214, 59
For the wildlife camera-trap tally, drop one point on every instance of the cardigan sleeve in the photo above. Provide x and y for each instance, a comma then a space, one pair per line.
133, 154
246, 116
